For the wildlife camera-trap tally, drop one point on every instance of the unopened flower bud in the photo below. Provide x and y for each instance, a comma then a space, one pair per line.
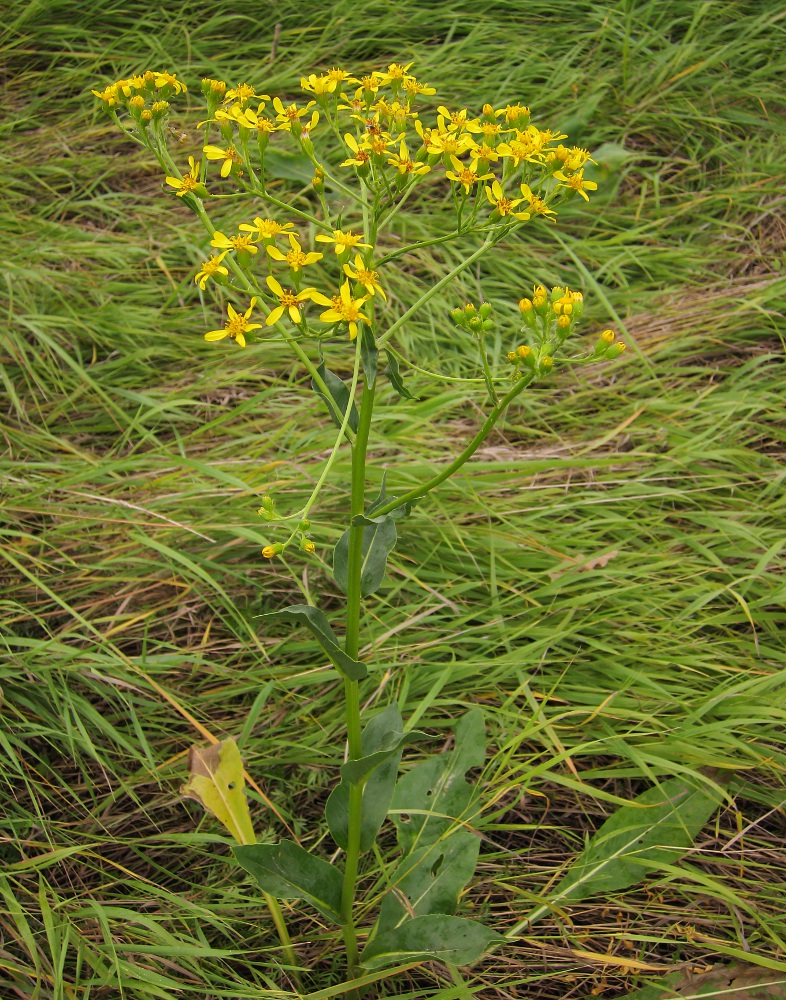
523, 351
525, 305
546, 364
615, 350
318, 180
608, 336
557, 292
563, 322
270, 551
457, 315
307, 545
305, 524
513, 358
485, 310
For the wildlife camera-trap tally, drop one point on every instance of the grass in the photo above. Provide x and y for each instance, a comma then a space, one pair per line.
607, 580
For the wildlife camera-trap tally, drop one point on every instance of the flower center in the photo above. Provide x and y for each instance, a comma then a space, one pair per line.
288, 299
296, 259
189, 182
241, 242
466, 176
504, 206
237, 324
366, 277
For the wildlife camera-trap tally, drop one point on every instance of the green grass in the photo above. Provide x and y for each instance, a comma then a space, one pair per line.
134, 455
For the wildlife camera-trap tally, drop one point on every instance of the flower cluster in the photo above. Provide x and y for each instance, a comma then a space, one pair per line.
501, 171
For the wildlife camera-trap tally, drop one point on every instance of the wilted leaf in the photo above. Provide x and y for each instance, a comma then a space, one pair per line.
433, 796
320, 628
654, 830
436, 936
287, 871
216, 782
381, 742
339, 398
430, 879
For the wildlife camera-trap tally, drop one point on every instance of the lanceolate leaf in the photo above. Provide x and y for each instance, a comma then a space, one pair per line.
436, 936
654, 830
379, 538
434, 797
431, 878
216, 781
320, 628
382, 742
287, 871
393, 373
339, 392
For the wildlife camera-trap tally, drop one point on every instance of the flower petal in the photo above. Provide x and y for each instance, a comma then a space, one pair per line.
273, 285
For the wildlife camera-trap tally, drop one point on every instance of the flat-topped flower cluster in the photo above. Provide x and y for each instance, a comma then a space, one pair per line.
501, 171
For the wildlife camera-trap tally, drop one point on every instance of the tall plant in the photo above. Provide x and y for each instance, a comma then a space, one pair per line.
311, 272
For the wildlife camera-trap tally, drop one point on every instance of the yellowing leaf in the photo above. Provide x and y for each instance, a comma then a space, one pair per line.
217, 784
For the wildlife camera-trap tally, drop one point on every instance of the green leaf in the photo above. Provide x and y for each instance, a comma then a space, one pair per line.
369, 356
381, 742
339, 393
379, 539
291, 166
379, 501
315, 620
433, 797
431, 878
656, 829
435, 937
393, 373
217, 783
287, 871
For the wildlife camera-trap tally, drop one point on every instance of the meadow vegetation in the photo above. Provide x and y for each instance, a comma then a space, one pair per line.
606, 578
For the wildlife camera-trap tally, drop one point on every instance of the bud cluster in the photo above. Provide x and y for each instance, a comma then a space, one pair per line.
477, 320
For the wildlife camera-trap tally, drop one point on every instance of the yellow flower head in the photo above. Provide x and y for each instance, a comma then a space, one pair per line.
109, 95
169, 80
503, 205
576, 182
290, 115
344, 241
360, 152
447, 144
535, 204
288, 301
236, 326
464, 175
340, 76
405, 164
342, 309
319, 86
395, 74
266, 229
229, 156
484, 153
415, 89
295, 257
188, 183
239, 242
210, 268
368, 279
456, 120
243, 94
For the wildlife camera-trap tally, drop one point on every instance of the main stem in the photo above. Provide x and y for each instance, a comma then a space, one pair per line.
352, 692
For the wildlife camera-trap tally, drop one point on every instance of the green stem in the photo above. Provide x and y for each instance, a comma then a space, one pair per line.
352, 691
429, 293
485, 429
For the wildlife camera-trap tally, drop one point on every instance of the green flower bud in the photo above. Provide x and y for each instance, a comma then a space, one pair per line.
485, 310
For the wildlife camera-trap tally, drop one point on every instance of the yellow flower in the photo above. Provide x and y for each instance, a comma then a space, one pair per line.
236, 326
287, 301
210, 268
342, 309
576, 182
535, 204
448, 143
340, 75
356, 103
414, 88
243, 93
289, 116
395, 74
214, 86
239, 242
230, 156
188, 182
169, 80
405, 165
319, 86
457, 119
295, 257
483, 152
487, 129
344, 242
365, 277
361, 154
266, 229
518, 149
108, 95
502, 205
464, 175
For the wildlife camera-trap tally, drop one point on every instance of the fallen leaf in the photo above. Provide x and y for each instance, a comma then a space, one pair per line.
597, 562
216, 782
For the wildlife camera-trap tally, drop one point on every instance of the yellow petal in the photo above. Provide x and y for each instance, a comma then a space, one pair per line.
294, 314
274, 315
276, 254
273, 285
216, 335
241, 339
